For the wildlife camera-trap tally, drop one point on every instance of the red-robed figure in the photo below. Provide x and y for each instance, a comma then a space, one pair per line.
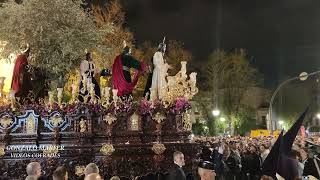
21, 79
121, 77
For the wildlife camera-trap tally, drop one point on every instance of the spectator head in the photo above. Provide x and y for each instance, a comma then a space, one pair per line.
60, 173
91, 168
115, 178
31, 178
93, 176
226, 152
295, 154
178, 158
303, 154
88, 56
25, 49
206, 170
34, 169
265, 177
253, 149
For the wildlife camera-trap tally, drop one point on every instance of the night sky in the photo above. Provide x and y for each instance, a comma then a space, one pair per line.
282, 37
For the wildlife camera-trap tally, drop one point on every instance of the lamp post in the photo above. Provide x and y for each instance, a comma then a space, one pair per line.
222, 119
303, 76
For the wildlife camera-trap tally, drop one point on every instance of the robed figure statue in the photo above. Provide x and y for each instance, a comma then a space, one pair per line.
121, 77
157, 78
21, 79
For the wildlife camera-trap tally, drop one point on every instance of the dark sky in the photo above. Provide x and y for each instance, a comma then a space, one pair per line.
281, 36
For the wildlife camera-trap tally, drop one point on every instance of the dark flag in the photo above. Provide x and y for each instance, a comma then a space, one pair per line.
278, 160
290, 136
270, 164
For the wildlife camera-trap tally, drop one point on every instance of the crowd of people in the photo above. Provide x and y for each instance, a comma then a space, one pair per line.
241, 158
222, 158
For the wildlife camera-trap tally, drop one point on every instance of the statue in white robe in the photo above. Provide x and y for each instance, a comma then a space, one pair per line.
160, 72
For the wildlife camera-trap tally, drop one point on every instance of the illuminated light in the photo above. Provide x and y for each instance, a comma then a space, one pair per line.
303, 76
222, 119
6, 68
216, 112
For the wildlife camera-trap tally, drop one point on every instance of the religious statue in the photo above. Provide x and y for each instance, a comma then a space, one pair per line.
21, 79
159, 83
88, 83
83, 125
121, 77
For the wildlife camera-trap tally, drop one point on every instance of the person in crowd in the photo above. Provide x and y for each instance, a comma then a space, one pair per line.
115, 178
34, 169
31, 178
93, 176
254, 164
176, 172
231, 165
206, 170
60, 173
91, 168
264, 150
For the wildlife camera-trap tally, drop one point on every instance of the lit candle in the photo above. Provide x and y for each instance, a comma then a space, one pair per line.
84, 79
2, 80
74, 89
59, 94
1, 84
152, 94
183, 67
107, 92
115, 94
193, 77
92, 89
11, 95
50, 93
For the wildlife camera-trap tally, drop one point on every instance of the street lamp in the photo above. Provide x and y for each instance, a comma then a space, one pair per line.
318, 115
280, 123
216, 112
303, 76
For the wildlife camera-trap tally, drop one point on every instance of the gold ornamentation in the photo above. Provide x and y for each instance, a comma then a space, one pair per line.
107, 149
79, 170
180, 86
134, 119
186, 119
6, 121
159, 117
53, 149
83, 125
109, 119
56, 120
30, 125
2, 151
158, 148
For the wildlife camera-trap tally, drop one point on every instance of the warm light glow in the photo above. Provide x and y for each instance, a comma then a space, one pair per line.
318, 115
216, 112
6, 67
303, 76
6, 70
222, 119
280, 122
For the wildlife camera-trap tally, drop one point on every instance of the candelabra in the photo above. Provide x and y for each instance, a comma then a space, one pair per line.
180, 86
